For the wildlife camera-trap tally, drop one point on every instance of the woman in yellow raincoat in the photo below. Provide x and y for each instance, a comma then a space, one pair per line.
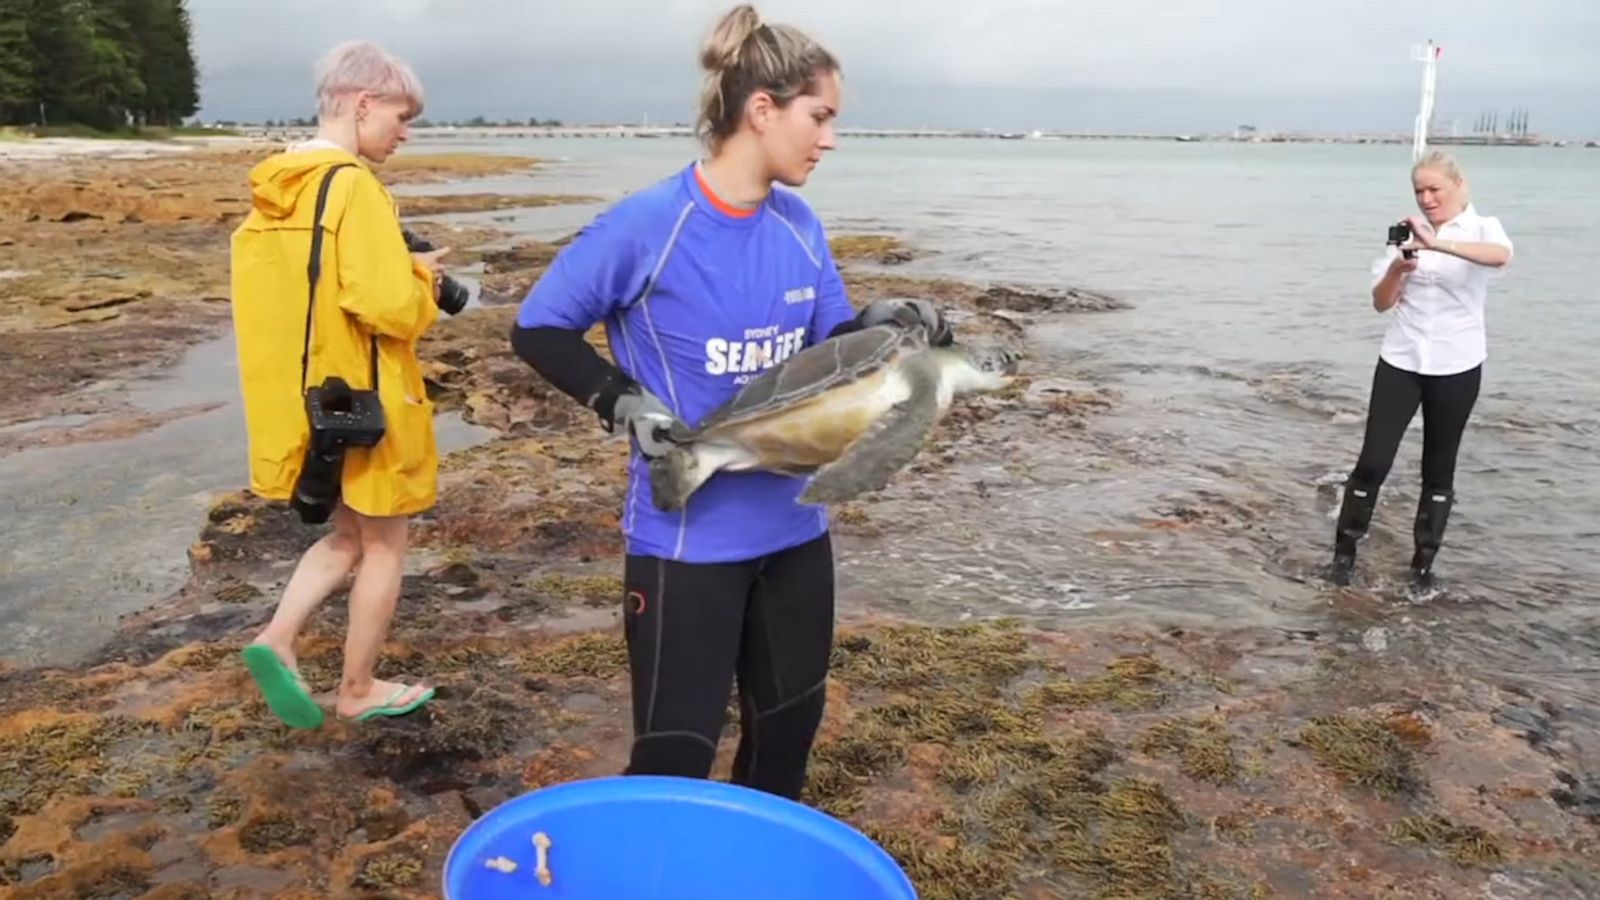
372, 297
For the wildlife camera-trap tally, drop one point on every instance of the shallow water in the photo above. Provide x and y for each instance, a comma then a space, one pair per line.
1240, 374
94, 531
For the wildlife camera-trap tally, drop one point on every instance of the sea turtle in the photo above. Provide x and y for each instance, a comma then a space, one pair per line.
852, 410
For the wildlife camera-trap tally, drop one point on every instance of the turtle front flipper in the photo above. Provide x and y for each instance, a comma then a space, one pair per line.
673, 478
681, 472
891, 443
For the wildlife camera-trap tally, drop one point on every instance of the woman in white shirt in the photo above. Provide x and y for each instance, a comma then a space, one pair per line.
1433, 288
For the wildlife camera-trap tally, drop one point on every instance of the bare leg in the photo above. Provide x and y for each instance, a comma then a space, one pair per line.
372, 603
320, 572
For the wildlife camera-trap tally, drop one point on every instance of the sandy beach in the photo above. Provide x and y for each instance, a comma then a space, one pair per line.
990, 759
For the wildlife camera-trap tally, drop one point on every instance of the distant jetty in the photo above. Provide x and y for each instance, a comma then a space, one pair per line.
645, 132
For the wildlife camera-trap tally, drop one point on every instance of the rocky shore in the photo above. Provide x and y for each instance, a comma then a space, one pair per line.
991, 759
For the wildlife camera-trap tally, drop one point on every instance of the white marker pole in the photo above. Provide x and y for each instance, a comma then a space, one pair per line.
1429, 57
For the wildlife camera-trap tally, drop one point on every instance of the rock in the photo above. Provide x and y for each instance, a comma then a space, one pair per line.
1002, 297
883, 249
384, 822
522, 256
1536, 726
1579, 795
480, 800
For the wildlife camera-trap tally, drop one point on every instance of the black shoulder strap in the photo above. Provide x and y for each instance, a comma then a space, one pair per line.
314, 272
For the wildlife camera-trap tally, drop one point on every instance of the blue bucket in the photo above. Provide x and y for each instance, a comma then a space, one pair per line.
657, 837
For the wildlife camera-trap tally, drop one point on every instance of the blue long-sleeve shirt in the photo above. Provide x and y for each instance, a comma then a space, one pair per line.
698, 298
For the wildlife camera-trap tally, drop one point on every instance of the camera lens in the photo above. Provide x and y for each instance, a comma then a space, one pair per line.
316, 491
414, 243
453, 295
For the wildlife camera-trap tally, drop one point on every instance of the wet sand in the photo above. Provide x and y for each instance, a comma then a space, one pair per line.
992, 760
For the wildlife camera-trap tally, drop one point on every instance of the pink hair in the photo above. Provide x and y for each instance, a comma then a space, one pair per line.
355, 66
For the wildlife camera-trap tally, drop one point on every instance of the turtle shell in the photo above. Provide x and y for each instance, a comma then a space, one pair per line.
816, 370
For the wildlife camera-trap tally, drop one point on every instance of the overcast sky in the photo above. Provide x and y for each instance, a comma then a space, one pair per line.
1151, 65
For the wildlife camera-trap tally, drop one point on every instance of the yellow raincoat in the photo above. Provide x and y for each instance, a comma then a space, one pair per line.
369, 284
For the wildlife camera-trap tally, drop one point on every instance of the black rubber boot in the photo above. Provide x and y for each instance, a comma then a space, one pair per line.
1433, 512
1355, 514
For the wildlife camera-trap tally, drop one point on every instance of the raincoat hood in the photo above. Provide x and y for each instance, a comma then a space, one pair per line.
278, 182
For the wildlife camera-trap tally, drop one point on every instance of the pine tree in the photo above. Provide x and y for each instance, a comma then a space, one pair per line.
184, 76
96, 62
112, 88
16, 61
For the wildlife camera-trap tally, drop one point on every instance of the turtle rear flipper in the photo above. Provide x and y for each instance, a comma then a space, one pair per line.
869, 463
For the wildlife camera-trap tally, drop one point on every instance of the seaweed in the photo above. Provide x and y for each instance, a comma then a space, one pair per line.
271, 833
1129, 683
1203, 747
1466, 845
1366, 751
594, 655
885, 249
463, 723
116, 883
947, 869
1007, 798
386, 871
578, 587
65, 757
223, 810
985, 655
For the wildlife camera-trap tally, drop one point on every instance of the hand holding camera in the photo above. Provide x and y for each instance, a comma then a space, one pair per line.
452, 295
1410, 235
1400, 235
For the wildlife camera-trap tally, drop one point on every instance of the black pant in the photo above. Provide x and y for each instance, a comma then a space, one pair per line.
691, 627
1446, 402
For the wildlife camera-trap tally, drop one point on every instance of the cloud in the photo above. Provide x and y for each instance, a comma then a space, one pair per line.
613, 58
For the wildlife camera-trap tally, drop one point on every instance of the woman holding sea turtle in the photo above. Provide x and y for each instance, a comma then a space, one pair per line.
703, 280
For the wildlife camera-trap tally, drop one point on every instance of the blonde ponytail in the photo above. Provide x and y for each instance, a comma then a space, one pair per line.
742, 56
726, 42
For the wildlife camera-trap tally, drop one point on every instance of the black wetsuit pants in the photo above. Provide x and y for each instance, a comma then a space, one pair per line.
692, 627
1446, 402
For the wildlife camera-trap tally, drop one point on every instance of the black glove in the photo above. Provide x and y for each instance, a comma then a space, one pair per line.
908, 313
649, 420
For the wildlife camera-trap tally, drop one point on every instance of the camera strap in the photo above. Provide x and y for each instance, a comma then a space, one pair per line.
314, 272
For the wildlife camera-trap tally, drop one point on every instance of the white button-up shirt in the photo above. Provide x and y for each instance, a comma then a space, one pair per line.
1437, 328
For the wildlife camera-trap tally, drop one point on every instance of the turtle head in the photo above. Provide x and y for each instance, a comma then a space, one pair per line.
982, 368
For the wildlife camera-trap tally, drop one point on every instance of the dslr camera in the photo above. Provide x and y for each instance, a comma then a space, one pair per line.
453, 295
341, 417
1399, 233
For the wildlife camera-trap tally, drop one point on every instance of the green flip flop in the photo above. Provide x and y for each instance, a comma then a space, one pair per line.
286, 694
387, 708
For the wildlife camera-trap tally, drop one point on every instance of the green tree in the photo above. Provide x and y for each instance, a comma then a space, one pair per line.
167, 65
16, 61
96, 62
112, 89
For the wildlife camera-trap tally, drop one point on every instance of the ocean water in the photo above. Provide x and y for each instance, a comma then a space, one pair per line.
1242, 372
